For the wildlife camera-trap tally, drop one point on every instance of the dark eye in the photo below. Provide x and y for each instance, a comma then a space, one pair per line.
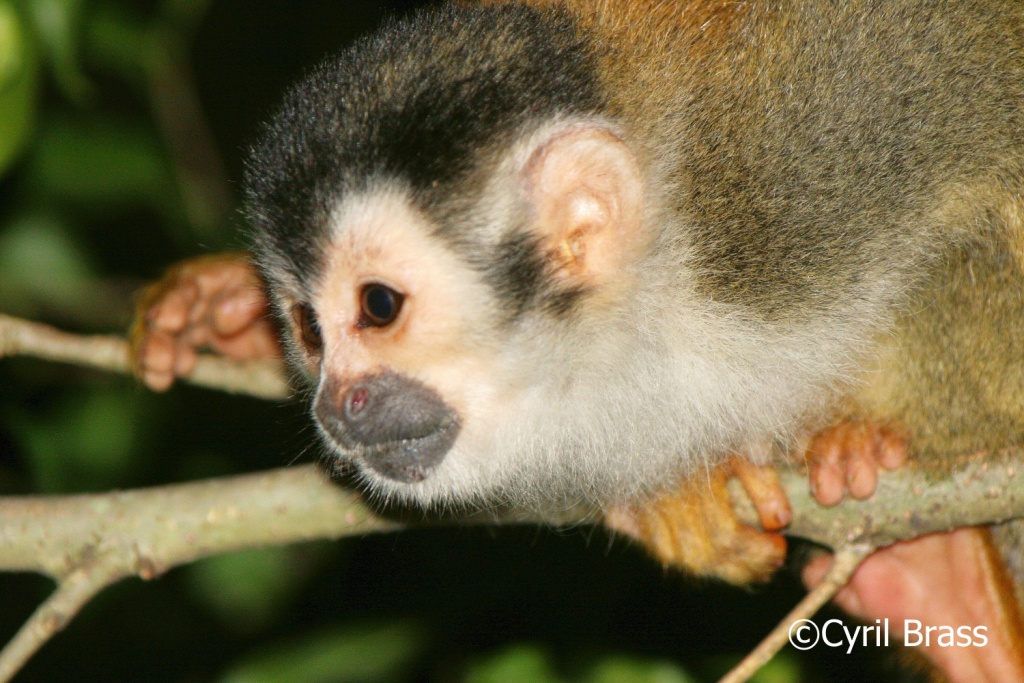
380, 305
309, 328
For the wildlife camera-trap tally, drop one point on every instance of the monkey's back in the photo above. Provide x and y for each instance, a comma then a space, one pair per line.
812, 147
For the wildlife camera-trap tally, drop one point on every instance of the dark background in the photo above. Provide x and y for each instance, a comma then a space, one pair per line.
94, 202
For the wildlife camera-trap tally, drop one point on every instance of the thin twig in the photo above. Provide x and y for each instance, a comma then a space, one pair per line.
262, 379
70, 596
844, 564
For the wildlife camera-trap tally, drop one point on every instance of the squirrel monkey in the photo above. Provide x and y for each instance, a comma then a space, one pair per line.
610, 252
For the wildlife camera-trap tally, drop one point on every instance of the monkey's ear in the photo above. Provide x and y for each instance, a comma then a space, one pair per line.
586, 191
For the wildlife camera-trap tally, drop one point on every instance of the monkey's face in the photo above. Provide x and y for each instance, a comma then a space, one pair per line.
394, 333
435, 348
526, 342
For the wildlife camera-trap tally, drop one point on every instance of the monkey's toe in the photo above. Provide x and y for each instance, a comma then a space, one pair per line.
846, 458
154, 359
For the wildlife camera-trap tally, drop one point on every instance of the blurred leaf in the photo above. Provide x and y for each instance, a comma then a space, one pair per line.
184, 15
18, 84
119, 41
630, 670
784, 667
357, 653
99, 160
59, 26
247, 589
94, 445
514, 664
41, 265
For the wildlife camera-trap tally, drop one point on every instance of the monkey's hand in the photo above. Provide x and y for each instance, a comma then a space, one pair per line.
936, 581
216, 302
695, 528
847, 458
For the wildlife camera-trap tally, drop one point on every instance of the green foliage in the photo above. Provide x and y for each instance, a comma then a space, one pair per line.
525, 662
354, 653
94, 446
57, 25
95, 162
783, 668
18, 83
43, 266
517, 663
630, 670
246, 589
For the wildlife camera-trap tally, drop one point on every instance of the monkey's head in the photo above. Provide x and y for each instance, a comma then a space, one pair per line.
453, 225
434, 210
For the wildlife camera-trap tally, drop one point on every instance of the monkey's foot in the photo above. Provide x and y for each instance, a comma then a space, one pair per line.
212, 301
941, 582
695, 528
847, 457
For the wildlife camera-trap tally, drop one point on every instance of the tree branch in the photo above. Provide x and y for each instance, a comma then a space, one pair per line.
87, 542
262, 379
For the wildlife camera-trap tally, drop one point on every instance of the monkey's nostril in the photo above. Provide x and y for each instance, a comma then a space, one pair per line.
356, 400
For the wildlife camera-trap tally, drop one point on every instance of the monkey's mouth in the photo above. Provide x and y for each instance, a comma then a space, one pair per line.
407, 460
391, 424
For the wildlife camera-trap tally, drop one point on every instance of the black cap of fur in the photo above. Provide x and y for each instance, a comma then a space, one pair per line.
426, 101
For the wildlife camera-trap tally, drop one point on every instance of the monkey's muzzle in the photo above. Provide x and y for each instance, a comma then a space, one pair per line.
397, 426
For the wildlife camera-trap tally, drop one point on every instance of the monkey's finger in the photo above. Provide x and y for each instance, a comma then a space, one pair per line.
185, 294
155, 360
861, 470
196, 335
847, 457
173, 310
826, 473
220, 273
695, 527
765, 491
893, 451
758, 555
236, 309
185, 358
258, 340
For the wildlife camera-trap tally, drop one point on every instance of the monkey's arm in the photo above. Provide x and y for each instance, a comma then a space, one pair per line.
212, 301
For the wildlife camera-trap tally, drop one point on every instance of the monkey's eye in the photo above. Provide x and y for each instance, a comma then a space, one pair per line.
380, 305
309, 328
